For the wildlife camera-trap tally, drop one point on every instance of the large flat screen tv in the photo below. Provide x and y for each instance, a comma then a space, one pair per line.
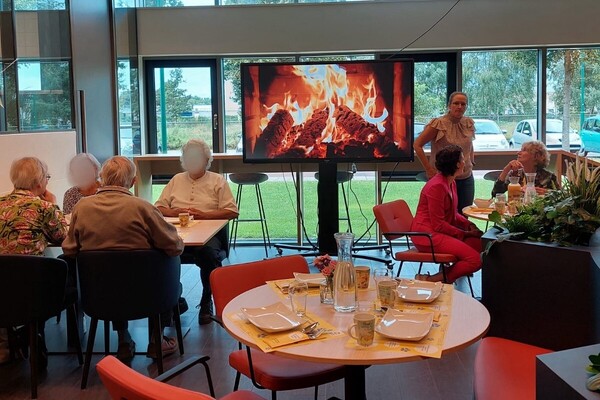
328, 111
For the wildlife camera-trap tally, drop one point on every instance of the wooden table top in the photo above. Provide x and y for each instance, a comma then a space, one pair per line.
482, 214
469, 322
200, 231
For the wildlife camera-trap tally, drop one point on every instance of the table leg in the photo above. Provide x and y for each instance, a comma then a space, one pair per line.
354, 383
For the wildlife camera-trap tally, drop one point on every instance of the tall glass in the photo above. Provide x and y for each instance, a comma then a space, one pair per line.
514, 189
344, 277
530, 192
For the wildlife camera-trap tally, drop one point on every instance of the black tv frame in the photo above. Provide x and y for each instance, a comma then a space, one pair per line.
410, 134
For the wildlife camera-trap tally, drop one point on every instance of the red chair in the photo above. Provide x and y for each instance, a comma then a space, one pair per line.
267, 371
505, 369
123, 382
395, 220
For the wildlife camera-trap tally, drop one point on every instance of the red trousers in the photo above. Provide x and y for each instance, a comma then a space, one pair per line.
468, 253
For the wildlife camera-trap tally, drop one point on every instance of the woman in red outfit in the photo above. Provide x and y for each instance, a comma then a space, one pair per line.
437, 214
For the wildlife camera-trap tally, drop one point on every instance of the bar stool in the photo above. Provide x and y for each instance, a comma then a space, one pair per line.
343, 177
247, 179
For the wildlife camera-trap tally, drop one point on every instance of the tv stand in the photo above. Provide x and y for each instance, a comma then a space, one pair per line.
328, 219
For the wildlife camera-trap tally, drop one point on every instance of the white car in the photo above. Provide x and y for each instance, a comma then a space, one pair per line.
488, 136
526, 131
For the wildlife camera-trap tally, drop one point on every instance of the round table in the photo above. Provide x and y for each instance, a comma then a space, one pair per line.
469, 322
473, 212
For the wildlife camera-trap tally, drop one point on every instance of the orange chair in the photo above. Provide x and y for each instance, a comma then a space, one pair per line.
268, 371
123, 382
505, 369
395, 220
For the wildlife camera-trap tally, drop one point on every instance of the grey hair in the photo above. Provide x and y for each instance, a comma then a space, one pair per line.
539, 151
200, 144
456, 94
118, 171
28, 172
85, 156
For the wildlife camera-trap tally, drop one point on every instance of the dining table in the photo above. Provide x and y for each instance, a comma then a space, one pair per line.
199, 232
469, 321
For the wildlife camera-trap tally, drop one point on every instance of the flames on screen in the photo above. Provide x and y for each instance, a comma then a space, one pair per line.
324, 111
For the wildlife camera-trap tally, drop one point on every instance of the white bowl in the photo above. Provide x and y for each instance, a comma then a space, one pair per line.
483, 203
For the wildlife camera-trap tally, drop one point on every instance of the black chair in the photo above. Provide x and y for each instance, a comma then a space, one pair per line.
33, 290
128, 285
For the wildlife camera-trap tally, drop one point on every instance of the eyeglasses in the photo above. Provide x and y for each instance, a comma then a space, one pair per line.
48, 176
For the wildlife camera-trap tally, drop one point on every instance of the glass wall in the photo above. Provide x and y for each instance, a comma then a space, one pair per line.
502, 89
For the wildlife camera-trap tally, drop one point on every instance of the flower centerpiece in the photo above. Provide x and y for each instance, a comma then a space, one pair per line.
326, 265
568, 216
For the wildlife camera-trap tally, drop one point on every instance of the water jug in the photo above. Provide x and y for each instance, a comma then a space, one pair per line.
344, 278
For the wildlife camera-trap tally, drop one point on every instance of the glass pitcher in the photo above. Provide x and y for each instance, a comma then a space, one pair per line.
514, 189
344, 278
530, 193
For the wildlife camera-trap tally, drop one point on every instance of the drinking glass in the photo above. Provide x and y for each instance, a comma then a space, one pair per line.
298, 291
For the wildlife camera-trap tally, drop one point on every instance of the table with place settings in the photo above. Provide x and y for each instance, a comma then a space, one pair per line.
459, 321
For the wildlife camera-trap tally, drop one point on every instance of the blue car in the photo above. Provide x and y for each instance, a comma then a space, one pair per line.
590, 134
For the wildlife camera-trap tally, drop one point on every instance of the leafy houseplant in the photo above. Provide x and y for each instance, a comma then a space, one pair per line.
568, 216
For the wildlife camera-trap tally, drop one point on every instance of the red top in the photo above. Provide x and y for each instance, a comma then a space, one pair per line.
437, 209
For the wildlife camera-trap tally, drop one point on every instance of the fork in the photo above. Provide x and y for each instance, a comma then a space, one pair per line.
316, 333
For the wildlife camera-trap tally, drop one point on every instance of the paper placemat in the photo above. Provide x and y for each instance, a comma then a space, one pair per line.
269, 342
432, 344
280, 287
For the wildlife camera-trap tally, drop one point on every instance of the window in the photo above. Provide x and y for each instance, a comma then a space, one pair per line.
502, 87
45, 95
130, 138
38, 5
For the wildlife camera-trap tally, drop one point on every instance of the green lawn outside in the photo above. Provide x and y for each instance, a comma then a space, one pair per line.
280, 206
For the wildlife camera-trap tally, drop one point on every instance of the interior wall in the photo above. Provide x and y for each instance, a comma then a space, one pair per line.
54, 148
364, 26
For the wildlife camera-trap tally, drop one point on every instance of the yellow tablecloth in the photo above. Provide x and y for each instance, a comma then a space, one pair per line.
432, 344
280, 287
269, 342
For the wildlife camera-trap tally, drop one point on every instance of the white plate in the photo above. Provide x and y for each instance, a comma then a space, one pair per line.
404, 326
310, 279
272, 318
419, 291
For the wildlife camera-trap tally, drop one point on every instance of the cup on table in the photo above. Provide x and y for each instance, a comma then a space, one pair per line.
387, 293
362, 277
184, 219
363, 329
500, 203
298, 291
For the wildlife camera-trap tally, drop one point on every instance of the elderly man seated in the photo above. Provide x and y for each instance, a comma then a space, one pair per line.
205, 195
100, 222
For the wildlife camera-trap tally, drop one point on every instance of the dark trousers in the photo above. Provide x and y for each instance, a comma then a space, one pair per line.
465, 190
207, 257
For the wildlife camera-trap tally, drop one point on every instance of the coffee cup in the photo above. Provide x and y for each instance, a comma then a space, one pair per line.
387, 293
362, 277
184, 219
363, 329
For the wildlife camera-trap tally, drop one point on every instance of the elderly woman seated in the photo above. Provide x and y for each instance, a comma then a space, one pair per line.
29, 216
114, 219
84, 173
533, 157
205, 195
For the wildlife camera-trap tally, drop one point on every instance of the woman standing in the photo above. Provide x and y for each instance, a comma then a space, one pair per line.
451, 232
451, 128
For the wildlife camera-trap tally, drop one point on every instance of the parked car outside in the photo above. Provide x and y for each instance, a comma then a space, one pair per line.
590, 134
526, 131
488, 136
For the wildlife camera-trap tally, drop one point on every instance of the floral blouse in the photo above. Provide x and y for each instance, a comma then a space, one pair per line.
71, 197
461, 134
543, 179
28, 224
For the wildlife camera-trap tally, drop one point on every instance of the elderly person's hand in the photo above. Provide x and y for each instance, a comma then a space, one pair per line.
513, 166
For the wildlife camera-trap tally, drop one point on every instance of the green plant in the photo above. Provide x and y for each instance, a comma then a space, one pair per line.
568, 216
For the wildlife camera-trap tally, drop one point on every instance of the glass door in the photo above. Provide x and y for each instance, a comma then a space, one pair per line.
181, 99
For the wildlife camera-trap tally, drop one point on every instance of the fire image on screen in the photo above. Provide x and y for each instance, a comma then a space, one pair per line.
338, 111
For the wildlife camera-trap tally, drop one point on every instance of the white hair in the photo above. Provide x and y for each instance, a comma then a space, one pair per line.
28, 172
118, 171
80, 157
199, 144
